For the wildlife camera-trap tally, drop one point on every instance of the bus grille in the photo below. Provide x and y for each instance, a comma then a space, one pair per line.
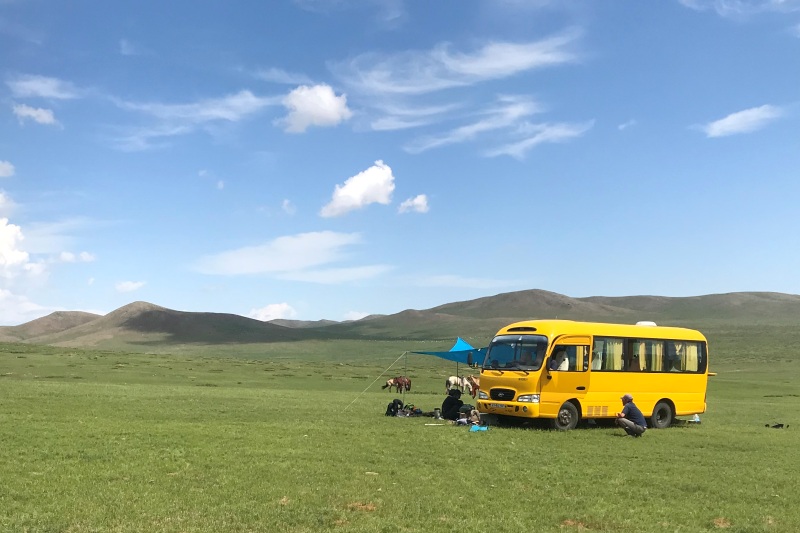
505, 395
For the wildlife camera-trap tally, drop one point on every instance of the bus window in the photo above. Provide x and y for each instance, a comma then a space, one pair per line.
570, 358
612, 353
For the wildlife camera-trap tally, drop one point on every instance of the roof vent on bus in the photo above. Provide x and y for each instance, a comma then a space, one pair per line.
521, 328
646, 323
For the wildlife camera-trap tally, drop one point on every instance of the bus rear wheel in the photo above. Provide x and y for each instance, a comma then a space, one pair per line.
662, 416
567, 417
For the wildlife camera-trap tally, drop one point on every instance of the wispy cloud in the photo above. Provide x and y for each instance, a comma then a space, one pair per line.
273, 312
231, 108
374, 185
542, 133
82, 257
31, 86
180, 119
285, 255
128, 48
277, 75
417, 204
507, 113
403, 117
442, 68
335, 276
6, 169
16, 309
39, 115
629, 124
745, 121
317, 105
743, 8
451, 280
7, 205
129, 286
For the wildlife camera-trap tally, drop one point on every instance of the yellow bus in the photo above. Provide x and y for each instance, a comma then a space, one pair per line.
568, 371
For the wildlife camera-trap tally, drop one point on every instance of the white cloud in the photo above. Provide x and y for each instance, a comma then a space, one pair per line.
16, 309
129, 286
314, 105
355, 315
12, 257
288, 207
37, 114
743, 121
7, 205
28, 86
69, 257
440, 68
273, 311
220, 184
6, 169
543, 133
417, 204
283, 255
277, 75
374, 185
509, 111
626, 125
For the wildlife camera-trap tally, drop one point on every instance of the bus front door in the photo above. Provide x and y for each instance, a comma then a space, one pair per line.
566, 375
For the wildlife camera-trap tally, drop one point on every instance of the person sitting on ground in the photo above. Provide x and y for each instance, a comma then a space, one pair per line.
451, 405
631, 418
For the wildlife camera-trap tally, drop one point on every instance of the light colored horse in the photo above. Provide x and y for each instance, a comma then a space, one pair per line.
461, 383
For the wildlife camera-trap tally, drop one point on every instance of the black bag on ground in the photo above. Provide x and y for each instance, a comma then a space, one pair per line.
393, 408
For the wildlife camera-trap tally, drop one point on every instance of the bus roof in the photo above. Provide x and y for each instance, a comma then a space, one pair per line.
552, 328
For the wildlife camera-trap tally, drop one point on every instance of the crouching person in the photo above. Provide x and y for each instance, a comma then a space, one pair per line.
631, 418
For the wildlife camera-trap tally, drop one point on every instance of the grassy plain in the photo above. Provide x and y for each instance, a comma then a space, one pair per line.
293, 438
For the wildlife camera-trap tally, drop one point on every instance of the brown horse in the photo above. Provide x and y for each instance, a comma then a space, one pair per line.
475, 382
399, 383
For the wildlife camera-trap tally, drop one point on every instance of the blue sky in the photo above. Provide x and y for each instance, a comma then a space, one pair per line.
331, 159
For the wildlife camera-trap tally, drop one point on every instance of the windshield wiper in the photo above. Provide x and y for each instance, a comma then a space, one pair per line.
515, 366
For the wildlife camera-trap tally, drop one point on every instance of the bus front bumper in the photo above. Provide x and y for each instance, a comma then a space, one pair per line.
520, 409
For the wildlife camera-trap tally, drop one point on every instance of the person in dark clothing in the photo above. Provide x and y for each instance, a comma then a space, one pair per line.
451, 405
631, 418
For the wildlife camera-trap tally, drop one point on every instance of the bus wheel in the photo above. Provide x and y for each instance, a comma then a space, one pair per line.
662, 416
567, 417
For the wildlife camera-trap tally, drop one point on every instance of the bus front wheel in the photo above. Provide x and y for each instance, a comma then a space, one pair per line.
662, 416
567, 417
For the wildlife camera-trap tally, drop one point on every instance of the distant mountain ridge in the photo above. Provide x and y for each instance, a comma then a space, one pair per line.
142, 324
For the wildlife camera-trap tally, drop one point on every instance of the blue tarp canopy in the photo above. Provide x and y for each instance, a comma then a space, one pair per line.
460, 353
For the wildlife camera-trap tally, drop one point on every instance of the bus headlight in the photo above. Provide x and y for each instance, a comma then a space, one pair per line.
482, 395
529, 398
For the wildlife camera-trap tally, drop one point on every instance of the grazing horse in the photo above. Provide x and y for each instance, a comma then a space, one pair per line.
475, 382
399, 383
460, 383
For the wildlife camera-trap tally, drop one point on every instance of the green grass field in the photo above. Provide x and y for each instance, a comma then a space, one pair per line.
293, 438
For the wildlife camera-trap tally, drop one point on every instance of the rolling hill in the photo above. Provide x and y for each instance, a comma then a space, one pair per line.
140, 325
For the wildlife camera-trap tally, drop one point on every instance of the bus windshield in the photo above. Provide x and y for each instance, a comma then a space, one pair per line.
516, 352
